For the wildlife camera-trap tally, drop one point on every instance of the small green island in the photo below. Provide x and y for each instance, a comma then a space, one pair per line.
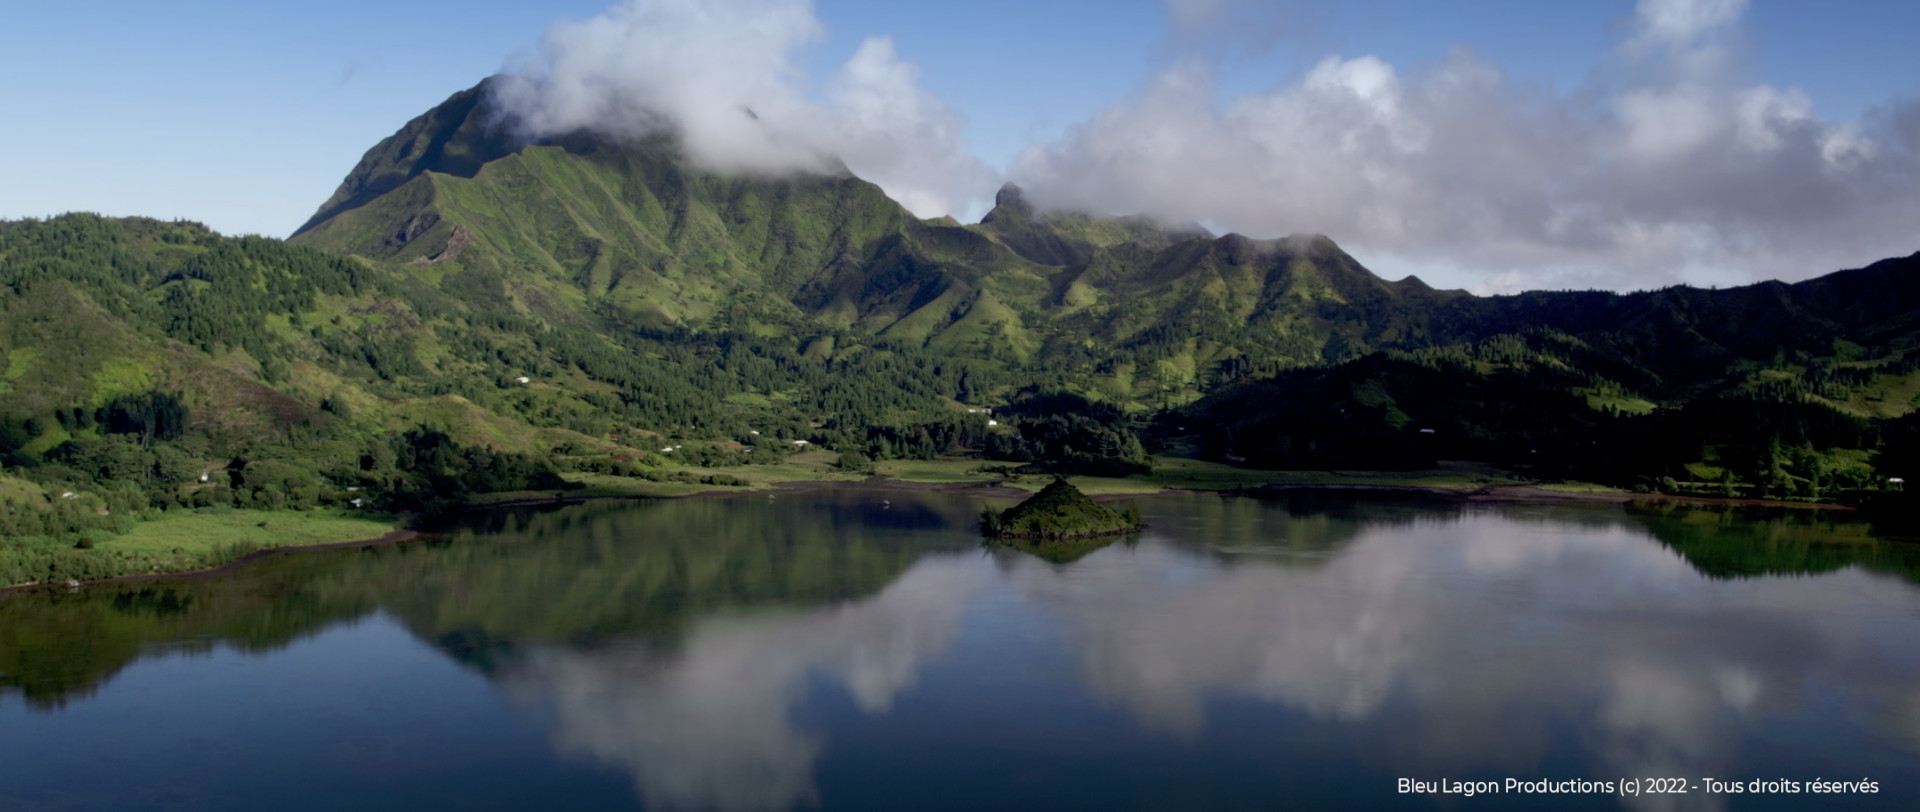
1058, 512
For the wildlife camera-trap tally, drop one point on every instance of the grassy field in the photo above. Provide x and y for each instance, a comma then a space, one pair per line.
943, 470
20, 490
1579, 487
181, 542
1191, 474
205, 531
809, 466
1168, 473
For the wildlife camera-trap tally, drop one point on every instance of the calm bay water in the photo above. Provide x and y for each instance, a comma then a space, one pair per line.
863, 650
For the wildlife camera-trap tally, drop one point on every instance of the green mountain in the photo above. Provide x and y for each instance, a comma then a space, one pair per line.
472, 312
1121, 308
1766, 390
584, 225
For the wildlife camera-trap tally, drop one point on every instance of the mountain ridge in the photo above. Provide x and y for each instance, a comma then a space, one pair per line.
628, 225
471, 311
1150, 313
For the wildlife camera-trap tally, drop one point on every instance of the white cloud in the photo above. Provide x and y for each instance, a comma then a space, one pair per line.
723, 77
710, 726
1669, 165
1666, 167
900, 136
1764, 113
1681, 21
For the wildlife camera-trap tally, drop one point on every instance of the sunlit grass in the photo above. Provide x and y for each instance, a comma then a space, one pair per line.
942, 470
1579, 487
205, 531
20, 490
1169, 473
181, 541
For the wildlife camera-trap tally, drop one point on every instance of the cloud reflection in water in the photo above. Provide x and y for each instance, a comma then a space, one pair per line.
710, 726
1472, 638
1461, 644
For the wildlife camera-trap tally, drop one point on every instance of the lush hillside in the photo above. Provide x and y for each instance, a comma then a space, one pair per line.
1766, 390
1122, 309
1134, 311
472, 313
149, 366
1788, 424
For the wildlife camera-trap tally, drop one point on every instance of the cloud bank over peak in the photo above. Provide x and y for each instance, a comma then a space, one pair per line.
723, 76
1670, 163
1666, 166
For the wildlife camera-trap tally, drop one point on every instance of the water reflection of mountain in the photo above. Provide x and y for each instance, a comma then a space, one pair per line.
1718, 541
57, 646
1304, 526
1735, 542
681, 641
1059, 551
616, 570
1464, 643
1470, 647
577, 575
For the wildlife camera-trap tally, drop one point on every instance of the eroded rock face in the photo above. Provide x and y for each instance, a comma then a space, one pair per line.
411, 229
457, 243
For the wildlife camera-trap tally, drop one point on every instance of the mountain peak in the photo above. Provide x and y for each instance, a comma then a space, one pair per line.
456, 137
1010, 206
1015, 224
1012, 199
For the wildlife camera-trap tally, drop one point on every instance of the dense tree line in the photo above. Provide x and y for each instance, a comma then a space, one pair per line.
149, 415
1064, 433
220, 294
428, 468
1536, 404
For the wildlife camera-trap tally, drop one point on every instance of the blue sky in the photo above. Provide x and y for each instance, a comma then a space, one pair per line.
245, 115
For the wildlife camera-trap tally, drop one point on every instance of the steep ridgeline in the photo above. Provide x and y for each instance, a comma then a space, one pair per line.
589, 230
588, 225
1293, 340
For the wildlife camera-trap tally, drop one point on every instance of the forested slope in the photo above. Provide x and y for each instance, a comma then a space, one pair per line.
471, 312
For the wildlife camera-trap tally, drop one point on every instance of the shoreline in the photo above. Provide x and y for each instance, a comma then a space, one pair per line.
985, 490
1533, 494
394, 536
1498, 494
